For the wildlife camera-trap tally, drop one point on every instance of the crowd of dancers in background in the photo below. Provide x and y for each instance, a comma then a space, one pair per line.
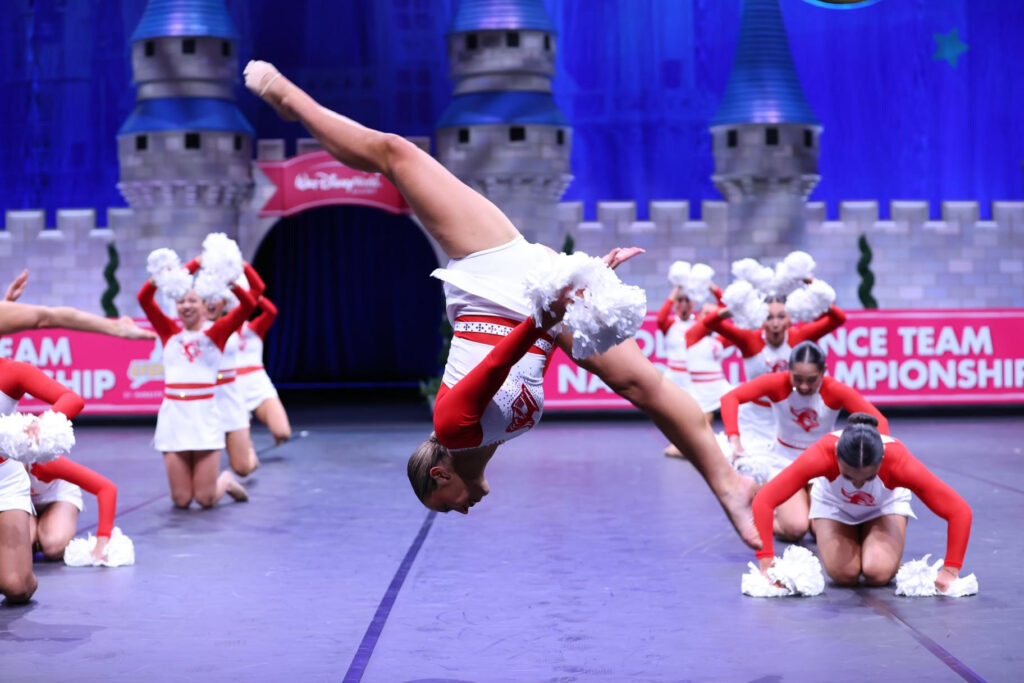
511, 303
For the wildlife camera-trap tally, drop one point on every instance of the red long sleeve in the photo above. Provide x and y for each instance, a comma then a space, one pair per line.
164, 326
775, 386
261, 323
457, 413
222, 329
93, 482
18, 379
816, 329
901, 468
838, 395
256, 284
666, 317
749, 342
817, 461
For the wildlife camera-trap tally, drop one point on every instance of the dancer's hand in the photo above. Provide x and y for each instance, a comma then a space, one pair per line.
619, 255
17, 287
125, 328
33, 431
946, 577
737, 446
556, 311
766, 563
100, 551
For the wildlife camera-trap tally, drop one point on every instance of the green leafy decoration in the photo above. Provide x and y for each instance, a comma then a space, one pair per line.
867, 278
107, 300
569, 245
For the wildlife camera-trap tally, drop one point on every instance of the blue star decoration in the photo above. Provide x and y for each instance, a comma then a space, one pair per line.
949, 47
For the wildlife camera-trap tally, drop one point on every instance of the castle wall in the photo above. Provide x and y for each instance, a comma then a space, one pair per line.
956, 262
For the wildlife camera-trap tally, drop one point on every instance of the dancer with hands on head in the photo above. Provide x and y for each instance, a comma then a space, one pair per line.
188, 429
484, 279
861, 491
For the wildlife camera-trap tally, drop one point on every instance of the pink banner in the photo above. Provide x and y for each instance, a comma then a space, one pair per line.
114, 376
317, 179
916, 357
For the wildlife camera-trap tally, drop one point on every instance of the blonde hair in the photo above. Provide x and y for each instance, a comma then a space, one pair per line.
426, 456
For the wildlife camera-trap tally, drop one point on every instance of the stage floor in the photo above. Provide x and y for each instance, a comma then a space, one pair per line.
594, 558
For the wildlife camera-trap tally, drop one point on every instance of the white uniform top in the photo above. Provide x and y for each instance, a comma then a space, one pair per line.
769, 359
676, 352
491, 283
705, 360
801, 421
191, 358
250, 348
7, 404
842, 501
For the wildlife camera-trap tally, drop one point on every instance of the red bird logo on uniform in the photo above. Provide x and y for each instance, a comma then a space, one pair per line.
191, 350
523, 408
779, 365
807, 418
858, 497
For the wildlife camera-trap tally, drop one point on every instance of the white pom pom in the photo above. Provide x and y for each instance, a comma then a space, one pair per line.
15, 444
800, 307
160, 260
798, 570
745, 269
698, 284
748, 309
607, 313
800, 265
678, 273
821, 294
222, 257
120, 551
55, 437
208, 285
916, 579
174, 283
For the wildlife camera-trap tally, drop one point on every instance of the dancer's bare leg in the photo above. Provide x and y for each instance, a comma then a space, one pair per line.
17, 582
272, 413
241, 455
459, 218
209, 486
179, 477
55, 528
629, 374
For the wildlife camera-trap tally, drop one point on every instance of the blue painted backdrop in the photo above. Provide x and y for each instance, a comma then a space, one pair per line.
639, 81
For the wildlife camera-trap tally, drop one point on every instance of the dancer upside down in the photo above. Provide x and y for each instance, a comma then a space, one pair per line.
483, 283
860, 502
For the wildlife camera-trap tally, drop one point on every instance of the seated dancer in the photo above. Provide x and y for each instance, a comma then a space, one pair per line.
860, 503
228, 396
57, 521
188, 428
805, 404
489, 259
767, 349
258, 391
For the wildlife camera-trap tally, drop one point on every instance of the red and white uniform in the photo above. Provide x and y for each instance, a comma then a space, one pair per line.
228, 397
705, 352
251, 377
188, 419
760, 358
676, 356
835, 497
61, 479
800, 421
493, 383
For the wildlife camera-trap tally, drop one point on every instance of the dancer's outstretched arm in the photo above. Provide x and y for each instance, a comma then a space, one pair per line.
459, 218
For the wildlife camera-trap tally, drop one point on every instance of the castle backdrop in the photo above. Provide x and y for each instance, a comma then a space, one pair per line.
902, 128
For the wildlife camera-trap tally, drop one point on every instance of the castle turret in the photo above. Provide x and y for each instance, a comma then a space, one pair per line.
185, 151
765, 140
502, 134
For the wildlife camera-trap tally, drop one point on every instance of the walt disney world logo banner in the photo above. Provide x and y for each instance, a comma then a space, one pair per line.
317, 179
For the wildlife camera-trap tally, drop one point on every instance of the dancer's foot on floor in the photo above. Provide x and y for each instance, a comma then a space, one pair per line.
233, 487
265, 81
672, 452
736, 504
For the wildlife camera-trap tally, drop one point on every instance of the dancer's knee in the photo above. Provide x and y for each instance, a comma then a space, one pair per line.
789, 532
879, 572
181, 499
391, 151
17, 589
53, 548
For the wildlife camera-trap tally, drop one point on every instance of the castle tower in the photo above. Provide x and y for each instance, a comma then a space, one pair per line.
502, 134
765, 140
185, 151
